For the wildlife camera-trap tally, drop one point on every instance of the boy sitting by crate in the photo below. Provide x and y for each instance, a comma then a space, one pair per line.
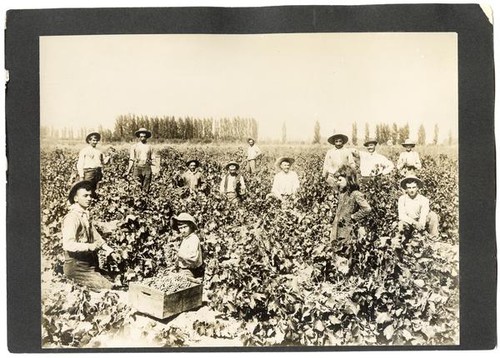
189, 256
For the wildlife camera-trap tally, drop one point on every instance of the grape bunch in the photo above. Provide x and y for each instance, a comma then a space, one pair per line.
168, 282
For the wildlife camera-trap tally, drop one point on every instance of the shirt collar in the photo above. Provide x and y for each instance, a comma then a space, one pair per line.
77, 208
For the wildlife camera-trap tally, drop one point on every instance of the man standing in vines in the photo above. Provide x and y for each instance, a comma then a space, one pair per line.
232, 184
91, 161
337, 157
141, 159
253, 153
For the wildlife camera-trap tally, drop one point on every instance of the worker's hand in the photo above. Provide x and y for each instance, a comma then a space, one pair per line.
116, 257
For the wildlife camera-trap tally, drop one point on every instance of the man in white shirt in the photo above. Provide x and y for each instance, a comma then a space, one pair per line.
409, 161
232, 184
141, 159
373, 163
90, 161
414, 211
286, 182
337, 157
253, 153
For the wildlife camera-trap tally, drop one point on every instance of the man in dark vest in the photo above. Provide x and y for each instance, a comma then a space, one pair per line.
232, 184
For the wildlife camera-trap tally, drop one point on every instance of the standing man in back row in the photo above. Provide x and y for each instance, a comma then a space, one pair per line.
90, 161
337, 157
141, 158
253, 153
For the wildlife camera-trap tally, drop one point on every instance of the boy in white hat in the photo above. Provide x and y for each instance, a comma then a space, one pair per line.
190, 257
91, 161
414, 211
253, 153
372, 163
286, 182
337, 157
141, 159
232, 184
409, 161
81, 241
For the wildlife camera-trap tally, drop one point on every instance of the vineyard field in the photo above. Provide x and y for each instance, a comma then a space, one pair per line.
273, 275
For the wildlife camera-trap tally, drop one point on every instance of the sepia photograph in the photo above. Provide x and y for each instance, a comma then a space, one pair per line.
252, 189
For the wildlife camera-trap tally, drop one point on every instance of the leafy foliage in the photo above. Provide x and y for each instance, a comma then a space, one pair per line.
270, 265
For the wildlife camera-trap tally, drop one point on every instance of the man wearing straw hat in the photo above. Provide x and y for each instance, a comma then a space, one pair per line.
409, 161
192, 177
253, 153
372, 163
81, 241
286, 182
337, 157
414, 211
90, 161
141, 159
232, 184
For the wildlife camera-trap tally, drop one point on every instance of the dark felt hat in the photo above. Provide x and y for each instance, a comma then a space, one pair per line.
193, 161
98, 135
143, 130
81, 184
344, 138
232, 163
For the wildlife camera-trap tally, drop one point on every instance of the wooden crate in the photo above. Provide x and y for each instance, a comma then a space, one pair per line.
161, 305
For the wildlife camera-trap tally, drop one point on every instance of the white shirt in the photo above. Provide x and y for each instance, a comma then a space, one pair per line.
285, 183
372, 164
189, 253
409, 159
89, 157
335, 158
415, 209
253, 152
141, 153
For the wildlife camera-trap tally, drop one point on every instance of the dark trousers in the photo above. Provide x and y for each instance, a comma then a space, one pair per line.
94, 175
143, 173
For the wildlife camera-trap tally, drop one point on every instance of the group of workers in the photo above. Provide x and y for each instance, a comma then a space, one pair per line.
81, 240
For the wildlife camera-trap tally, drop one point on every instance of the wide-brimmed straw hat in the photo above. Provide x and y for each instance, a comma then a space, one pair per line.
196, 162
232, 163
369, 141
408, 179
284, 159
344, 138
184, 218
408, 143
78, 185
98, 136
143, 130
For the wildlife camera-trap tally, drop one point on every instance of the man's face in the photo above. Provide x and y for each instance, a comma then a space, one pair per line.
192, 166
339, 143
412, 189
371, 147
83, 198
142, 137
285, 166
232, 169
185, 229
251, 142
408, 148
93, 141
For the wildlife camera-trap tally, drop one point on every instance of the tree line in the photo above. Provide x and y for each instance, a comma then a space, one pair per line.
167, 128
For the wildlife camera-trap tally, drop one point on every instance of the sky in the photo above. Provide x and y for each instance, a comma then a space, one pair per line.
334, 78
